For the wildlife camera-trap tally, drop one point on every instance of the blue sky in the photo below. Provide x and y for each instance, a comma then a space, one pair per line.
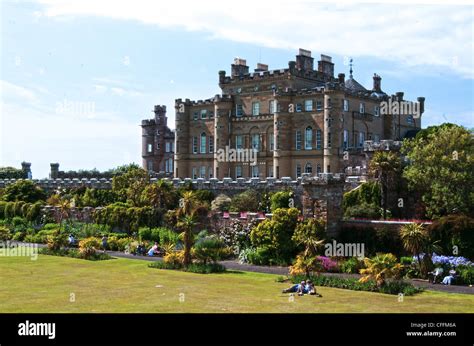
77, 77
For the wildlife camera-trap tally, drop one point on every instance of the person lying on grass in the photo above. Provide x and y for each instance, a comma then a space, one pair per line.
304, 287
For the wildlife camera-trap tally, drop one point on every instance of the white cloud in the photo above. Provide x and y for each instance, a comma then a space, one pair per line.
414, 33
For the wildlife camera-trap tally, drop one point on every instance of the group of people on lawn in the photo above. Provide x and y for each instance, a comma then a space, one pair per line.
304, 287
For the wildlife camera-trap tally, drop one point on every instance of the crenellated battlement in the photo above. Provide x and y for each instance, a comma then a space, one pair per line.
52, 184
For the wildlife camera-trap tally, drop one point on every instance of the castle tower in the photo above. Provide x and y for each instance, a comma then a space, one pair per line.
182, 139
222, 111
153, 140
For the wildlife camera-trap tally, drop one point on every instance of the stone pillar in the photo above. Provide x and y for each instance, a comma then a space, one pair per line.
333, 126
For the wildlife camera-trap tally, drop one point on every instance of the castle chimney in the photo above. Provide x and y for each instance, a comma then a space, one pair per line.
292, 66
261, 67
326, 66
399, 95
377, 83
221, 77
421, 101
304, 61
54, 171
342, 78
26, 168
239, 67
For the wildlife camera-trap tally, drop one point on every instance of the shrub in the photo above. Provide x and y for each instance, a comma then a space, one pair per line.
351, 265
281, 199
124, 243
24, 190
363, 210
454, 230
221, 203
205, 268
56, 241
209, 249
34, 211
88, 246
380, 268
19, 236
245, 201
2, 209
165, 265
9, 211
74, 254
175, 258
4, 233
466, 274
236, 235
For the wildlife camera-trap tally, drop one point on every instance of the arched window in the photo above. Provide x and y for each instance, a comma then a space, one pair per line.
203, 143
308, 142
308, 168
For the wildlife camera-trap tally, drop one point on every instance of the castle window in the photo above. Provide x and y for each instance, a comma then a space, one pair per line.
361, 139
298, 140
169, 165
203, 114
211, 114
298, 170
308, 105
203, 172
308, 168
255, 172
211, 144
329, 103
318, 168
319, 105
271, 140
168, 147
270, 171
238, 110
210, 172
256, 108
195, 115
299, 108
376, 138
410, 119
308, 143
238, 171
345, 139
194, 172
203, 143
149, 165
195, 145
149, 148
376, 111
329, 140
272, 107
362, 108
256, 142
346, 105
239, 141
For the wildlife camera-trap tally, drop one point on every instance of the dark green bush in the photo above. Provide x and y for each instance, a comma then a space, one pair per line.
245, 201
199, 268
351, 265
280, 199
466, 275
74, 253
209, 249
454, 230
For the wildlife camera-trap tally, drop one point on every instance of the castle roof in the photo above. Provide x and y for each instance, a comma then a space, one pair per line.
353, 85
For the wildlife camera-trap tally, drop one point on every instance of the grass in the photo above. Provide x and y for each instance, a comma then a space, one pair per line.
128, 285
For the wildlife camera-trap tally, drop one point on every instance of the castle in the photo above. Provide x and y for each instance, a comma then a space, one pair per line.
295, 120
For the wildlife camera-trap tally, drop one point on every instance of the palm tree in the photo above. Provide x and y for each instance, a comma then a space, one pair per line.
187, 224
414, 238
159, 194
385, 165
380, 268
64, 210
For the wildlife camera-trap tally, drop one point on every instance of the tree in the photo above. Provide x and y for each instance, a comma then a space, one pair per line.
245, 201
160, 194
385, 165
130, 185
24, 190
187, 224
12, 173
414, 239
281, 199
441, 168
221, 203
380, 268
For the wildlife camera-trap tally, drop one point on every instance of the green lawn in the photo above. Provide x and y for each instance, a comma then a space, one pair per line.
124, 285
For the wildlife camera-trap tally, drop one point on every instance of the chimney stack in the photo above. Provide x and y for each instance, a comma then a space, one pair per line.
239, 67
399, 95
54, 171
377, 83
304, 61
342, 78
326, 66
421, 101
221, 77
261, 67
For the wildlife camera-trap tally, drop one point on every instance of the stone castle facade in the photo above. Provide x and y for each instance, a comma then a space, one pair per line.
294, 120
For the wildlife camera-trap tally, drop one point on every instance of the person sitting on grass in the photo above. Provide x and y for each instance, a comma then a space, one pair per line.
154, 251
448, 280
295, 288
311, 289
